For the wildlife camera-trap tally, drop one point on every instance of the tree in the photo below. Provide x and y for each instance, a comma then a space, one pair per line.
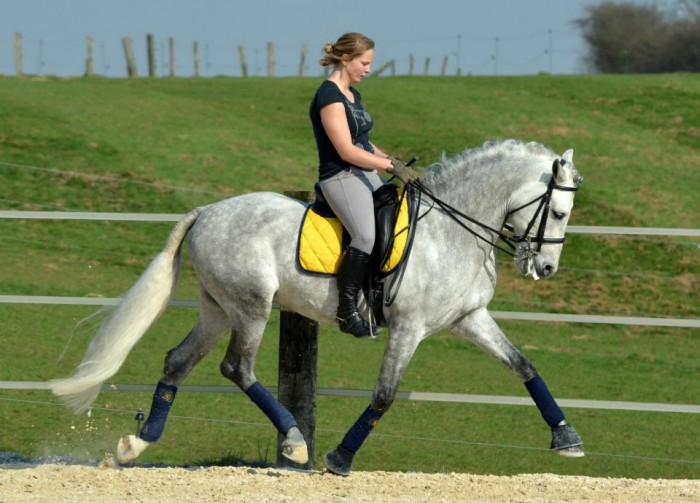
633, 38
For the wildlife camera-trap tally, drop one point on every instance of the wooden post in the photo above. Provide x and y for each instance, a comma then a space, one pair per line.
443, 72
130, 60
195, 48
426, 68
244, 61
18, 55
89, 64
302, 63
270, 59
298, 370
171, 48
411, 61
151, 55
388, 64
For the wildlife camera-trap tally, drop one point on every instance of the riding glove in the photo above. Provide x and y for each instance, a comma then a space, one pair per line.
404, 173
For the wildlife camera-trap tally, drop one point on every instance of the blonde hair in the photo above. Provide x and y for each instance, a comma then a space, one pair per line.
353, 44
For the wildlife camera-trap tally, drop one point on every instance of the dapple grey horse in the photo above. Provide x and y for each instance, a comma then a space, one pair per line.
243, 251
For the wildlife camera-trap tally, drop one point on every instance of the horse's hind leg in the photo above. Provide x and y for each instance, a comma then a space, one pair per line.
484, 331
212, 324
238, 366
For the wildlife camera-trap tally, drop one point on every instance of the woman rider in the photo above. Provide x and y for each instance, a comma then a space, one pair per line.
348, 166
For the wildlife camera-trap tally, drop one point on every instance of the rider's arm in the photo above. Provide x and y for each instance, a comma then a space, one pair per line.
335, 124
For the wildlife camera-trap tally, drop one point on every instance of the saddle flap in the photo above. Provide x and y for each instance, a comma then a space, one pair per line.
322, 237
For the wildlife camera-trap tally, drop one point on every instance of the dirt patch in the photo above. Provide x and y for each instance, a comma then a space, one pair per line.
62, 483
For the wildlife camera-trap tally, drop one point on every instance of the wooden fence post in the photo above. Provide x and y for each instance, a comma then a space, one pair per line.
426, 68
130, 60
171, 49
151, 55
298, 371
443, 72
89, 63
270, 59
244, 61
18, 55
195, 48
381, 69
302, 63
411, 61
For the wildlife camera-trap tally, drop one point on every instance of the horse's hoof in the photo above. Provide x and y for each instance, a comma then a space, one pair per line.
129, 448
339, 461
294, 447
572, 452
566, 441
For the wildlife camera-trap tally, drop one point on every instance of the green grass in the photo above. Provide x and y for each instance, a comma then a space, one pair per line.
164, 146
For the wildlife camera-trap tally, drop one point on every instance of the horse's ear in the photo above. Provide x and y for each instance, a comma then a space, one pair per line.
558, 171
558, 167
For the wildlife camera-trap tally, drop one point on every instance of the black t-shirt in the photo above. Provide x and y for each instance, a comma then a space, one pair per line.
359, 121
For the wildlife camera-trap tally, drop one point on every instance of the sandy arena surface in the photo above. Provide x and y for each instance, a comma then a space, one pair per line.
65, 483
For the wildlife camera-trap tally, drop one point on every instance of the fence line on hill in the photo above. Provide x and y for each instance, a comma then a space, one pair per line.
133, 72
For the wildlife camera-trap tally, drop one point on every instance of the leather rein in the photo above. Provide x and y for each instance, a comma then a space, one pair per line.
511, 240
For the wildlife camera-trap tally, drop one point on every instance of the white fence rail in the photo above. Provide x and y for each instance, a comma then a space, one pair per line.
170, 217
503, 315
419, 396
173, 217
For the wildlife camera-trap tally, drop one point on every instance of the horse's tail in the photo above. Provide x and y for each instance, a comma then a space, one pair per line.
137, 310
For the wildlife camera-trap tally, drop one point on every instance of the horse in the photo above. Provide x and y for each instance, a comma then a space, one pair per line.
243, 252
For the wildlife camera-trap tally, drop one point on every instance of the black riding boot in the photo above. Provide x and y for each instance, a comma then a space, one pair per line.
351, 275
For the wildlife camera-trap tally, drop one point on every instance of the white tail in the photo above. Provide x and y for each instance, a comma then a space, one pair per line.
137, 311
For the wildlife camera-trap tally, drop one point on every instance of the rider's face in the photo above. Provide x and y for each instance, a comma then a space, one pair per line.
359, 67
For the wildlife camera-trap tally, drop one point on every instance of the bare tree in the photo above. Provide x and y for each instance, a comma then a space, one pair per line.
690, 7
633, 38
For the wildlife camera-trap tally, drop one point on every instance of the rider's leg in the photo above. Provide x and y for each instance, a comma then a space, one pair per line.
349, 194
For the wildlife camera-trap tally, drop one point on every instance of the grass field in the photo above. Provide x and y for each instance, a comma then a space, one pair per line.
164, 146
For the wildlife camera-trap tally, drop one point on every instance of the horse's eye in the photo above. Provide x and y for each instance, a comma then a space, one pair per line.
558, 215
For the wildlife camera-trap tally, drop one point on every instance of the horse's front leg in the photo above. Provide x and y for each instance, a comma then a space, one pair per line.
399, 351
481, 328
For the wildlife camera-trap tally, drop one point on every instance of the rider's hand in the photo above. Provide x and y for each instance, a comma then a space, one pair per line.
404, 173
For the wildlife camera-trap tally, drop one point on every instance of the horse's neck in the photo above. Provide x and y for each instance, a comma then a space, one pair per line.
478, 194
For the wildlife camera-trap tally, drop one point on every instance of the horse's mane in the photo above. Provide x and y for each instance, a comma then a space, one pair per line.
447, 168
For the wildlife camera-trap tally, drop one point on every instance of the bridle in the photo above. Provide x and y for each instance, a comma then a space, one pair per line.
543, 208
514, 242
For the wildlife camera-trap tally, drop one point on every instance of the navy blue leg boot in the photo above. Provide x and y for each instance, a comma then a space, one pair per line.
160, 407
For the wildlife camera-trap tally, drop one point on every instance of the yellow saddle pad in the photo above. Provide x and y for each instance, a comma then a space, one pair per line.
320, 245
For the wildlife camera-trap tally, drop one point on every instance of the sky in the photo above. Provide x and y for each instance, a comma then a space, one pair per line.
472, 37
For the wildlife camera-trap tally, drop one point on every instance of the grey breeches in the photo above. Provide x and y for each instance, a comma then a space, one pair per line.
349, 194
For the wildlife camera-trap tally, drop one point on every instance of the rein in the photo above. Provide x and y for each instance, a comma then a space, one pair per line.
510, 240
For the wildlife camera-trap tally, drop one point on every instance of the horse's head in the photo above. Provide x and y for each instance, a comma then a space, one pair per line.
539, 218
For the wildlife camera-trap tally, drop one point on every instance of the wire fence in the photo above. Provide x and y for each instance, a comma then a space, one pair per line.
451, 54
